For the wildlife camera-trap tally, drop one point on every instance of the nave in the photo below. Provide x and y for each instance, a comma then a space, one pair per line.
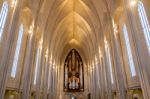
74, 49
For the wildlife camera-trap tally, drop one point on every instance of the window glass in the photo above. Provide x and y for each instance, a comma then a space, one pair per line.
129, 52
3, 16
17, 51
144, 23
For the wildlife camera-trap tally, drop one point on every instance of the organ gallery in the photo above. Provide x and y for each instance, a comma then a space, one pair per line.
73, 73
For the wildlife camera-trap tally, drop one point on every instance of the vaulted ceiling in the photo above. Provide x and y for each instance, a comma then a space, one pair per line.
68, 24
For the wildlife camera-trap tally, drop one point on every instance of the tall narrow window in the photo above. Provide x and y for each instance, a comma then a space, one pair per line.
37, 65
129, 52
3, 16
144, 23
16, 56
110, 64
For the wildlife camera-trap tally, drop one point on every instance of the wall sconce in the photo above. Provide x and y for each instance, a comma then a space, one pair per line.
40, 43
93, 65
96, 60
106, 43
100, 53
115, 28
54, 65
31, 29
46, 53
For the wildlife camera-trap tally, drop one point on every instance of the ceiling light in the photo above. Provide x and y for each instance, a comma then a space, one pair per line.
133, 3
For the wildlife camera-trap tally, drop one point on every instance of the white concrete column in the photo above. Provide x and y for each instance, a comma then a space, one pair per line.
50, 81
46, 78
39, 72
108, 83
142, 54
118, 64
28, 67
6, 44
102, 78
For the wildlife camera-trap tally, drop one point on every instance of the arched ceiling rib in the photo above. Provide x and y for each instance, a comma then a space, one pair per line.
71, 24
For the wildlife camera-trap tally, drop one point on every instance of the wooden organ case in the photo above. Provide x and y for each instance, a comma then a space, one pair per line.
73, 73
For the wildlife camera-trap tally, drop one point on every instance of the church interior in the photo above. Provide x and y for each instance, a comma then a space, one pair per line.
74, 49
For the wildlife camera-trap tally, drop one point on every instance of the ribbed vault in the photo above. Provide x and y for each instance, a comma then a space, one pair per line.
71, 24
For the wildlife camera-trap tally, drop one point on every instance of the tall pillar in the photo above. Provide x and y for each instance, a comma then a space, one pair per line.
102, 78
39, 73
50, 82
28, 66
6, 47
108, 83
46, 78
141, 50
118, 65
142, 55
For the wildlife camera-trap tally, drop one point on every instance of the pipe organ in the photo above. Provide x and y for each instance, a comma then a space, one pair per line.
73, 73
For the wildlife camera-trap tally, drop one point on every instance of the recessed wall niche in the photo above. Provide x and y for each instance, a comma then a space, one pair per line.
73, 73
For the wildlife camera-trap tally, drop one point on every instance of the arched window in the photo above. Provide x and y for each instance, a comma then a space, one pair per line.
18, 47
129, 52
144, 23
3, 16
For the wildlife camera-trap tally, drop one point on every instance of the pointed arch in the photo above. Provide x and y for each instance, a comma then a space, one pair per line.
73, 73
